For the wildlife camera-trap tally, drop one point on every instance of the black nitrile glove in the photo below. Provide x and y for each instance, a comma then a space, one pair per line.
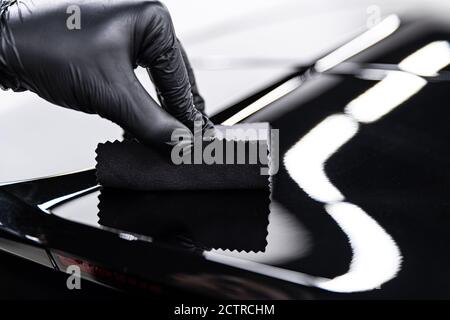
90, 69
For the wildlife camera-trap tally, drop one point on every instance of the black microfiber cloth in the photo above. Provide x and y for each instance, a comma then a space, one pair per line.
233, 220
131, 165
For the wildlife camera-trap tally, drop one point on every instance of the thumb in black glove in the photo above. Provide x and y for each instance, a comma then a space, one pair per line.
91, 69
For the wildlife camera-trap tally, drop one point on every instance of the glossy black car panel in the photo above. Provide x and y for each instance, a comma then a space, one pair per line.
359, 207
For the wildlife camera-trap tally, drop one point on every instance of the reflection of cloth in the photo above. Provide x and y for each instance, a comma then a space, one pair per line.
234, 220
130, 165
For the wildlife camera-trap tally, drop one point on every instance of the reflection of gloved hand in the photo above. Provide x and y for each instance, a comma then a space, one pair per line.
91, 68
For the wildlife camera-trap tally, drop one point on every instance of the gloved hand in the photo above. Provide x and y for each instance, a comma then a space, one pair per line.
91, 69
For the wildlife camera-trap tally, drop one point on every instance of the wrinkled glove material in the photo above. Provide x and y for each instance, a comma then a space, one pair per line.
90, 68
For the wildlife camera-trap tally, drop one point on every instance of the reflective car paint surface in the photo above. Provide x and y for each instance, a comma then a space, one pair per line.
357, 210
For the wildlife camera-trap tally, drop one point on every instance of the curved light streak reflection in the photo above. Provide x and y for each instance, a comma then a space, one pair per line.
306, 159
376, 256
305, 163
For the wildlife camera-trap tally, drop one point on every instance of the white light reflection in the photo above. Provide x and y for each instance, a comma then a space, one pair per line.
379, 32
376, 257
264, 269
305, 163
374, 35
396, 88
34, 239
45, 207
429, 60
306, 159
269, 98
128, 236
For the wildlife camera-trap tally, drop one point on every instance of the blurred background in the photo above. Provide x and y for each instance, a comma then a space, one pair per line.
236, 48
